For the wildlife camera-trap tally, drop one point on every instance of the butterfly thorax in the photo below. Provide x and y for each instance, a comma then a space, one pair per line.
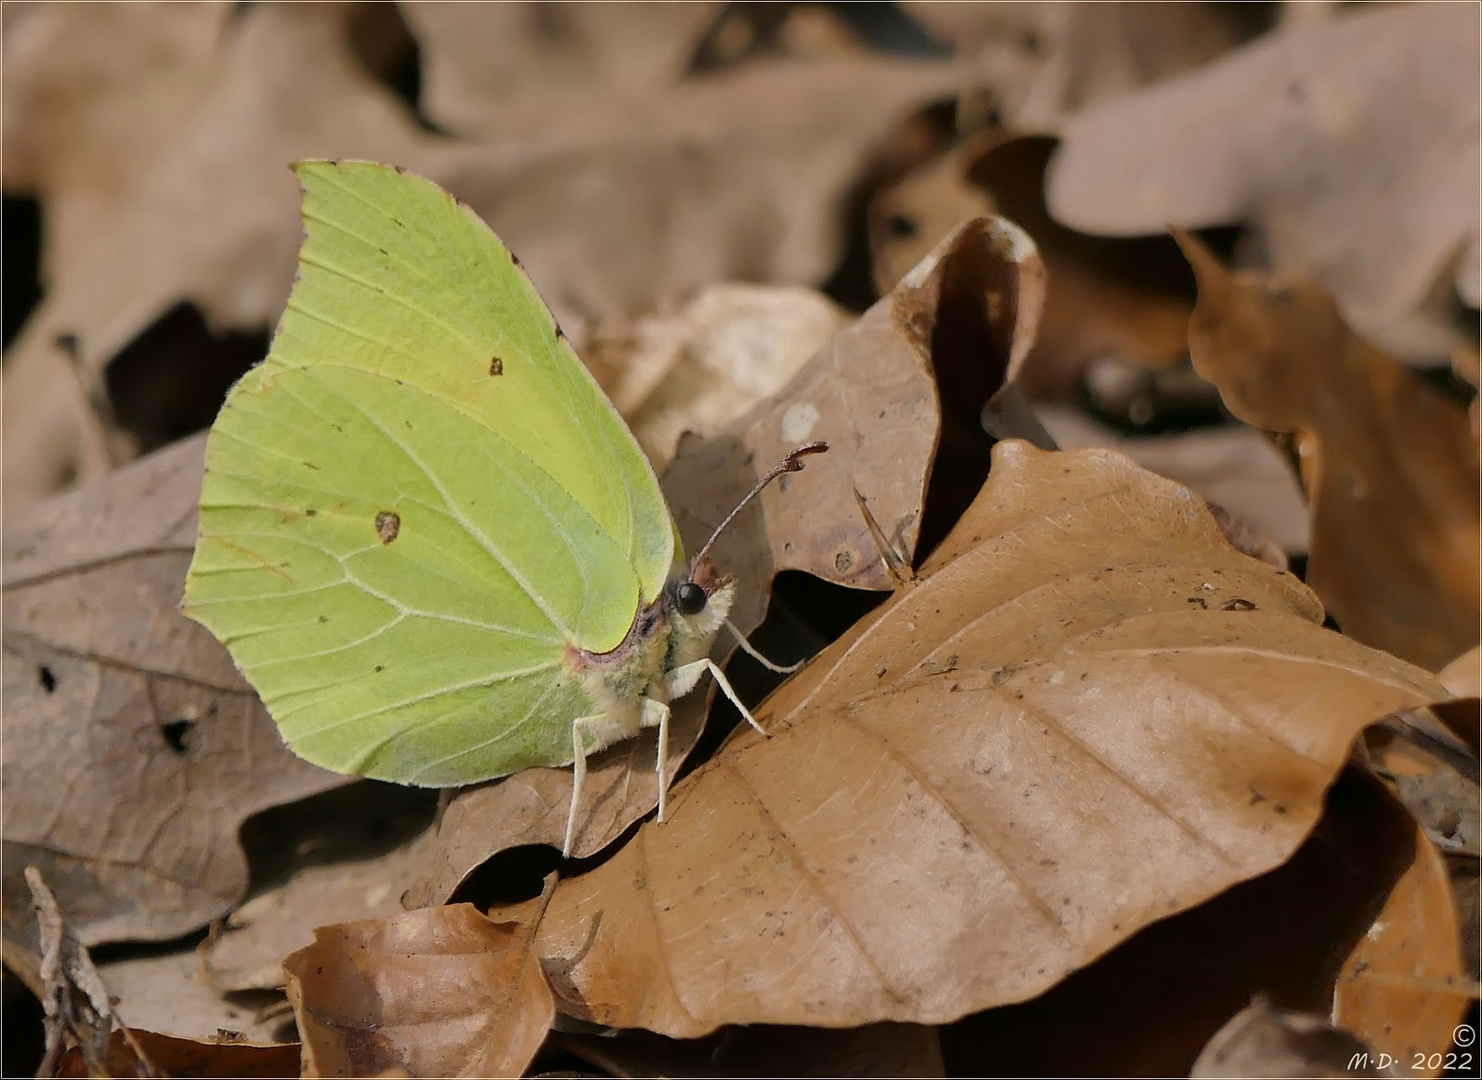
663, 637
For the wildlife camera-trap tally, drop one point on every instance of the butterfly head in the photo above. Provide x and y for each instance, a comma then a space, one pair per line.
698, 606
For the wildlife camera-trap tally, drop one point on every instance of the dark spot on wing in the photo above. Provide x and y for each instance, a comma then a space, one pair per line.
388, 525
47, 678
496, 366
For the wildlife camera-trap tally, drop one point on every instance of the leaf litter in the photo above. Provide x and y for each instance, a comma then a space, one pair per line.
1099, 665
672, 179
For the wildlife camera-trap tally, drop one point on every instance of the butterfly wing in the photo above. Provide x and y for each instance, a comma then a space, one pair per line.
420, 499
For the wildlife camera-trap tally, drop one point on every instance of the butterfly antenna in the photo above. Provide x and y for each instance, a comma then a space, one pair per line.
792, 463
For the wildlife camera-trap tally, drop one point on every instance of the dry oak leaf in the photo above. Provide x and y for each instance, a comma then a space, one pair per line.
1405, 987
438, 992
1351, 146
133, 749
1088, 713
1389, 464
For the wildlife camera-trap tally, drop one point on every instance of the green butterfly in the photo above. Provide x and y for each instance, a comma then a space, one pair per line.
427, 538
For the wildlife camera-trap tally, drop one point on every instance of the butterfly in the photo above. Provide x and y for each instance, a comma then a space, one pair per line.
427, 539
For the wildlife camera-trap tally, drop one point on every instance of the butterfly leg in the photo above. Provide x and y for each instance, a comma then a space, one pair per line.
683, 678
580, 728
656, 714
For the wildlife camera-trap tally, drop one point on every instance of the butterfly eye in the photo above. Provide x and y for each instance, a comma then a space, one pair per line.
691, 599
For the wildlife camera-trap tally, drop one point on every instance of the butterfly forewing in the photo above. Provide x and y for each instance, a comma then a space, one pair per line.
420, 499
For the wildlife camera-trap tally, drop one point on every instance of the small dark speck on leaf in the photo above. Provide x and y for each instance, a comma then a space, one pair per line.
47, 678
311, 512
380, 668
388, 525
496, 366
311, 465
323, 619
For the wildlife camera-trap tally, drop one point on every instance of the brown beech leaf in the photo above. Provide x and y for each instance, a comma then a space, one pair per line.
1089, 712
438, 992
1351, 146
133, 749
1389, 464
1266, 1041
1233, 467
1404, 988
1149, 1007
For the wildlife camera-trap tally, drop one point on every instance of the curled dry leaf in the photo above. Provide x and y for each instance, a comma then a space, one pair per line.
1089, 712
966, 313
1105, 297
133, 749
1265, 1041
439, 992
1390, 465
1404, 988
1352, 146
79, 1010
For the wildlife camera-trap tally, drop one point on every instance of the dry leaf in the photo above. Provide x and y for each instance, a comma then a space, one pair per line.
164, 990
1088, 713
1390, 465
1035, 63
1264, 1041
1404, 988
133, 749
439, 992
1233, 467
1151, 1005
703, 366
478, 58
1352, 147
223, 1056
344, 856
1104, 297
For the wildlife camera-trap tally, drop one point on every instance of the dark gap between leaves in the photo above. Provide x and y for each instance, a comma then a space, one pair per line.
170, 381
20, 235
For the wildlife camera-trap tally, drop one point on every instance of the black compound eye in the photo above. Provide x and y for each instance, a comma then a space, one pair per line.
691, 598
